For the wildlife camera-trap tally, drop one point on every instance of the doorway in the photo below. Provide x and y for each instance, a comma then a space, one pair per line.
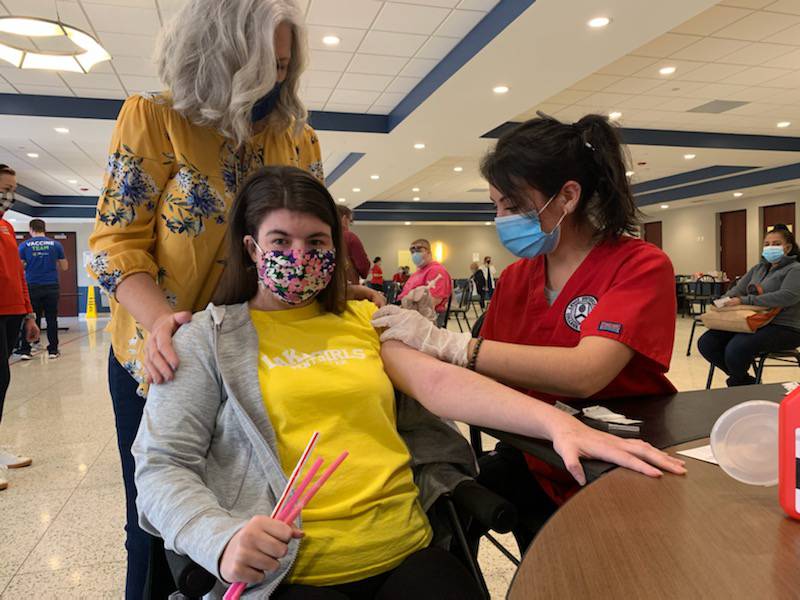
68, 280
652, 233
733, 243
778, 213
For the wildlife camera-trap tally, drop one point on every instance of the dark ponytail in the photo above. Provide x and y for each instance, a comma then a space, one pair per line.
544, 154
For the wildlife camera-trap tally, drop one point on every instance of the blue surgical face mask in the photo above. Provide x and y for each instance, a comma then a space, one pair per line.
772, 253
266, 104
522, 235
417, 258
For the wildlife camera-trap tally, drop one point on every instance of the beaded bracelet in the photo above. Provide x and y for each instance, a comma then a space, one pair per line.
474, 358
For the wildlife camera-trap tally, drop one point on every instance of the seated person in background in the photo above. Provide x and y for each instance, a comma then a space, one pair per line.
376, 275
774, 282
479, 281
284, 354
402, 275
431, 280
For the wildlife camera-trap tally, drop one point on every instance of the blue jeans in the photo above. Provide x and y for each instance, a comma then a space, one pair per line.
734, 352
128, 408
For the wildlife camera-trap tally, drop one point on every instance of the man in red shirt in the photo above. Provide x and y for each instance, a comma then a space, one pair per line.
427, 271
15, 307
358, 261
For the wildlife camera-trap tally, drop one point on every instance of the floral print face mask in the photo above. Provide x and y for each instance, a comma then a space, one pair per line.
296, 276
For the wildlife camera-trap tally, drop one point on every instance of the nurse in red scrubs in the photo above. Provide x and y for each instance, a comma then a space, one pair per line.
588, 310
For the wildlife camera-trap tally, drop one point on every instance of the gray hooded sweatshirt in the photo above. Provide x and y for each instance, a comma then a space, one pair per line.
206, 453
780, 289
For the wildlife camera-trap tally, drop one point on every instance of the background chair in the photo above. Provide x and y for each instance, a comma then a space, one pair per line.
462, 293
782, 359
392, 290
699, 295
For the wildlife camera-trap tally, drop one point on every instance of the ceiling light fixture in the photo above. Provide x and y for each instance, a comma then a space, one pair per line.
630, 173
500, 89
458, 169
614, 115
737, 194
487, 223
689, 156
342, 200
374, 177
61, 130
419, 146
416, 198
599, 22
356, 190
78, 62
667, 70
33, 155
408, 222
72, 181
783, 124
665, 206
331, 40
414, 189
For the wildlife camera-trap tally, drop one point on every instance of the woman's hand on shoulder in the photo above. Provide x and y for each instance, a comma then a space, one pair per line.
256, 549
160, 358
573, 440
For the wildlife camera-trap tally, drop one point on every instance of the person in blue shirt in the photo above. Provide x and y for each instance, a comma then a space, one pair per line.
42, 257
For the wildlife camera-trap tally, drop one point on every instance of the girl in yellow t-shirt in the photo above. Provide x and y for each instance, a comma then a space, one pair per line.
285, 354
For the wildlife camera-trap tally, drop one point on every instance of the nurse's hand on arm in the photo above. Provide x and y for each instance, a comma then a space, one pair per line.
141, 297
454, 393
577, 372
256, 549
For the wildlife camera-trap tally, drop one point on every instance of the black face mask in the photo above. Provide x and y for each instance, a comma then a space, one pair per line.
266, 104
6, 202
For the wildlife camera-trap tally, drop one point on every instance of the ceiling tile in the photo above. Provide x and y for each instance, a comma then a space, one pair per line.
710, 49
750, 93
409, 18
754, 4
170, 7
377, 65
34, 77
390, 99
681, 89
316, 94
633, 85
758, 26
627, 65
353, 13
419, 67
788, 36
569, 97
790, 81
758, 54
44, 90
438, 47
787, 61
133, 3
403, 85
136, 84
101, 81
667, 44
353, 97
644, 102
315, 104
596, 82
128, 65
785, 6
92, 93
122, 19
378, 109
712, 72
460, 23
350, 107
326, 60
756, 76
369, 83
321, 78
682, 68
680, 104
392, 44
122, 44
712, 20
484, 5
350, 38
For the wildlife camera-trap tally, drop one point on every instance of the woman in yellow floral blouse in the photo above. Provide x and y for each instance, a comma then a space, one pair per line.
176, 162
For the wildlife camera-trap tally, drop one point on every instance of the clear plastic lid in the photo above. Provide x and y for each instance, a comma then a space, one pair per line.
744, 441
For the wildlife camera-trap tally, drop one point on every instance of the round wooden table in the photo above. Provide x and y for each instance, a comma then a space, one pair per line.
704, 535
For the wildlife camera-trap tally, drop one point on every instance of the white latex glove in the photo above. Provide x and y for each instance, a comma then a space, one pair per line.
420, 300
416, 331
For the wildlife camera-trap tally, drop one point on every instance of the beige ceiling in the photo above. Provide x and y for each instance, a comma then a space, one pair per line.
741, 50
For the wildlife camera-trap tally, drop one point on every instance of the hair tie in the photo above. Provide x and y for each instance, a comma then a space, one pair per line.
589, 146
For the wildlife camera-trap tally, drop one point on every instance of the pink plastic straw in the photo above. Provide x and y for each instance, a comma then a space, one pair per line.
298, 491
315, 488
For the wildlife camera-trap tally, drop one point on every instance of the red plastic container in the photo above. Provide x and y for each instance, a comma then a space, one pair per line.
789, 454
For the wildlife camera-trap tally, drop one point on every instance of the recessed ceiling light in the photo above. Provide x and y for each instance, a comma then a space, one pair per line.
61, 129
416, 198
665, 206
667, 70
408, 222
414, 189
458, 169
488, 223
737, 194
73, 181
419, 146
356, 190
614, 115
630, 173
599, 22
33, 155
689, 156
331, 40
783, 124
342, 200
374, 177
500, 89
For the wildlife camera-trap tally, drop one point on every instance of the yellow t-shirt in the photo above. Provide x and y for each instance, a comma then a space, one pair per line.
323, 372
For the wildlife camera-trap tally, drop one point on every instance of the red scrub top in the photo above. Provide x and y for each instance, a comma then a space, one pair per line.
624, 290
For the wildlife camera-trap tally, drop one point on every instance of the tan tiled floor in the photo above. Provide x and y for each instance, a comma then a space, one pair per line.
61, 519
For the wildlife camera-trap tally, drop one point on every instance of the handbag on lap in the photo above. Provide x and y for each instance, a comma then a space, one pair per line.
743, 318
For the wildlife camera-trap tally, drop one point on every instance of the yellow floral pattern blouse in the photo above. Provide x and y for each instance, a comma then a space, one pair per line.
163, 208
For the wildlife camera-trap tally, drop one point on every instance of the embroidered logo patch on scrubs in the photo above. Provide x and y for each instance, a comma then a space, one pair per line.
578, 309
610, 327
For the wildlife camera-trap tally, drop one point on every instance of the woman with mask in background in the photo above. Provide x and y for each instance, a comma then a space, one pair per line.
775, 283
587, 312
176, 162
